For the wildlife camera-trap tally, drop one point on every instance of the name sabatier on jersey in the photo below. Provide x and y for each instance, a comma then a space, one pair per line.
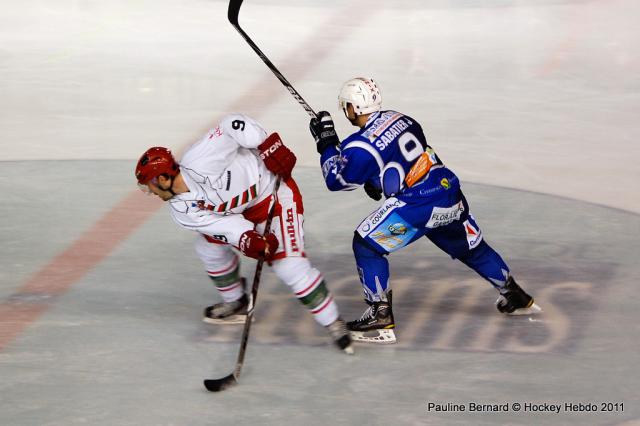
386, 128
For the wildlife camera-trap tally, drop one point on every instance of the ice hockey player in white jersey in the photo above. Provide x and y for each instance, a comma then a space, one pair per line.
389, 155
222, 189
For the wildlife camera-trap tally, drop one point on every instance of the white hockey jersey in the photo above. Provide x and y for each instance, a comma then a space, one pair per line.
226, 179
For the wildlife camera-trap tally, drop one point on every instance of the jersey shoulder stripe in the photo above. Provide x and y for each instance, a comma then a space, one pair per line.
366, 146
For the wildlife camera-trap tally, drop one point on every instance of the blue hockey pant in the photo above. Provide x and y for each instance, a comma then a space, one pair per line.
445, 221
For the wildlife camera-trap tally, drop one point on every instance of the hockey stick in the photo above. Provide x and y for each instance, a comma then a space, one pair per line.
215, 385
234, 11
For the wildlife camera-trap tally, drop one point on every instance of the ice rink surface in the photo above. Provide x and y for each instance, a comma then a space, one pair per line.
533, 103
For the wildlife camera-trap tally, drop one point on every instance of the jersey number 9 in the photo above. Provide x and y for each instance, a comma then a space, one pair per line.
410, 147
237, 124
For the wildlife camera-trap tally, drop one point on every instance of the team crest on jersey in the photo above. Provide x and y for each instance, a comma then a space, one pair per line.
445, 183
201, 205
474, 234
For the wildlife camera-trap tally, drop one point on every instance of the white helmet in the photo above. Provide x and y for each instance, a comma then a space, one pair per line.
362, 93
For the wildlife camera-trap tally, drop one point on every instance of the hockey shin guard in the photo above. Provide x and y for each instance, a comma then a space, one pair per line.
373, 269
309, 287
228, 281
488, 264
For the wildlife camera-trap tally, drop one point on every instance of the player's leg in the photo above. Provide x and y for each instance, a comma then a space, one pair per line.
223, 267
310, 288
376, 323
295, 270
385, 230
488, 264
463, 240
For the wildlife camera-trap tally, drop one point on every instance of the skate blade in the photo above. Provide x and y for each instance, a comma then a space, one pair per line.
349, 350
380, 336
531, 310
232, 319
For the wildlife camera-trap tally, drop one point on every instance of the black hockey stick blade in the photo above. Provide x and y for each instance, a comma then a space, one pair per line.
234, 11
217, 385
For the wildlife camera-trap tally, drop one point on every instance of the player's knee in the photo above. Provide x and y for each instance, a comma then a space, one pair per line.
478, 254
213, 255
362, 249
481, 249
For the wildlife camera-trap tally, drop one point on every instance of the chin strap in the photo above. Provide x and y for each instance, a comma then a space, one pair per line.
170, 189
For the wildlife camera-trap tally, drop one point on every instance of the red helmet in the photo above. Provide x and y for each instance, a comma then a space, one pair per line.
154, 162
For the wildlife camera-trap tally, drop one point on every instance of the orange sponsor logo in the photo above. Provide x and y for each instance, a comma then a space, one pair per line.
419, 169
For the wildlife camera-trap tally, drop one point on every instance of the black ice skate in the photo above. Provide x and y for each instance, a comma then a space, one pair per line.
515, 301
376, 324
227, 313
340, 335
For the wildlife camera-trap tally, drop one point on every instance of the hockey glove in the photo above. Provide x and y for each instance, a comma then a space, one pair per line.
276, 157
323, 131
372, 191
254, 245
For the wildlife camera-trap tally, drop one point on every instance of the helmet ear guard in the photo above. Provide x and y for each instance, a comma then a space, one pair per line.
362, 93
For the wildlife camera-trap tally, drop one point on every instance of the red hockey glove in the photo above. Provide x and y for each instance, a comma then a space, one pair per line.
255, 245
277, 158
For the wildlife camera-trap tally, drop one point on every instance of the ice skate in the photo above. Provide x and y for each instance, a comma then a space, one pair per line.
228, 312
340, 335
515, 301
375, 325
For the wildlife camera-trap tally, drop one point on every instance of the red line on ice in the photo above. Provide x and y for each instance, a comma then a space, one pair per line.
38, 293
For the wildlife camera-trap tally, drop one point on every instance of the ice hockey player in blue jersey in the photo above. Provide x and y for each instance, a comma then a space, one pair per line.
389, 156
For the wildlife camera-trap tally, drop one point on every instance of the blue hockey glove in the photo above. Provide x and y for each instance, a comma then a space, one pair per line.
372, 191
323, 131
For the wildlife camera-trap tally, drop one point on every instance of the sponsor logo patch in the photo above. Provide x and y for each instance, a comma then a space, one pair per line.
474, 234
215, 132
328, 165
397, 229
375, 218
442, 216
393, 233
291, 231
267, 153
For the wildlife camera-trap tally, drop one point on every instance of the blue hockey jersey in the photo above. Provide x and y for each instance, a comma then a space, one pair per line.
391, 153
